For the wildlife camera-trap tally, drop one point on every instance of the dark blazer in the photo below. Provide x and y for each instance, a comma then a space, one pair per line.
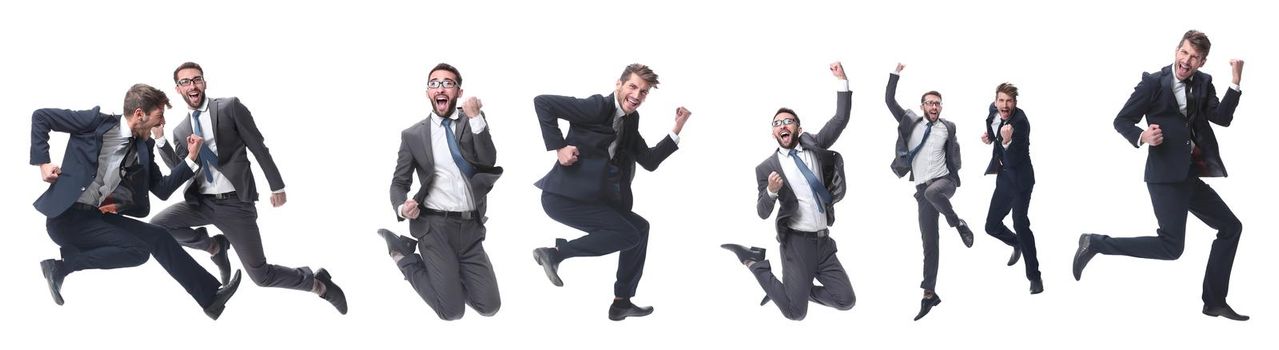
416, 155
235, 133
80, 162
591, 130
1013, 161
906, 121
1153, 98
830, 162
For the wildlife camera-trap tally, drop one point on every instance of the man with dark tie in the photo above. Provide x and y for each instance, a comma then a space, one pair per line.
223, 193
1009, 131
105, 175
1178, 103
589, 187
928, 150
452, 153
807, 179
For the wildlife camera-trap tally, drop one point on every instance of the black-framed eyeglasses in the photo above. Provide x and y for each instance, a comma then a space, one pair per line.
784, 121
932, 103
436, 84
188, 82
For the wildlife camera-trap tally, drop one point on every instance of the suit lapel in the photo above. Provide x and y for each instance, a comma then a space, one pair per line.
424, 136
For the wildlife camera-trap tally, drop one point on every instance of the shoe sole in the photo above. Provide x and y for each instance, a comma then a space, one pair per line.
547, 269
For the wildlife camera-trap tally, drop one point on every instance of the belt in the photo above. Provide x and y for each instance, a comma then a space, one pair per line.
220, 196
464, 215
818, 234
82, 206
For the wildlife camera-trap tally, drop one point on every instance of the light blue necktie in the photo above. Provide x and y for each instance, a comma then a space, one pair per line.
462, 165
208, 159
819, 191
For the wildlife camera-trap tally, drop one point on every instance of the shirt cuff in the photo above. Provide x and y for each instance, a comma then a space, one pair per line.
164, 141
195, 167
478, 124
771, 194
842, 85
674, 137
1235, 87
281, 190
399, 211
895, 73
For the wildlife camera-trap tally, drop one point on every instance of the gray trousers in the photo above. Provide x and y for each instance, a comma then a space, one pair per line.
934, 200
238, 221
805, 257
451, 269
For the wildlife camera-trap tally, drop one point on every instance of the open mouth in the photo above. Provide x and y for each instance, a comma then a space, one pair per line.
441, 102
785, 136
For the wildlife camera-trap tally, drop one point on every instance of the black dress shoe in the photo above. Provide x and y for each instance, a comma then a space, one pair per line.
221, 259
397, 243
965, 233
623, 308
1083, 255
52, 270
1036, 286
1012, 260
214, 310
744, 255
926, 305
1224, 311
332, 293
547, 257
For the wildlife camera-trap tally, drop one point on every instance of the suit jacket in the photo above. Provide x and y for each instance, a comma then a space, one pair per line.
80, 162
906, 121
235, 132
1013, 161
1153, 98
416, 155
591, 130
830, 163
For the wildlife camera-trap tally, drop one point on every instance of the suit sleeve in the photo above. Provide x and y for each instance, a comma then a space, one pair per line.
253, 140
1017, 152
164, 186
1223, 112
169, 155
650, 158
1135, 109
485, 153
835, 126
402, 178
549, 108
62, 120
890, 98
764, 205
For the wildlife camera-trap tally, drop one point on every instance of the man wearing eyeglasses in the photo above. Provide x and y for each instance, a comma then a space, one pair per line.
223, 192
105, 176
589, 187
1178, 103
807, 179
452, 153
928, 150
1008, 131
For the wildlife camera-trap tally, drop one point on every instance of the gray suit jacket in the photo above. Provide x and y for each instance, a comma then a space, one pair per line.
906, 121
829, 162
235, 133
416, 156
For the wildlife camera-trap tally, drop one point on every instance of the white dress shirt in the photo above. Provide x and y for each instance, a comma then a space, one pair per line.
930, 163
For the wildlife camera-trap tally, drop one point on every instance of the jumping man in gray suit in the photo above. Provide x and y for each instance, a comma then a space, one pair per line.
807, 179
927, 149
223, 193
453, 155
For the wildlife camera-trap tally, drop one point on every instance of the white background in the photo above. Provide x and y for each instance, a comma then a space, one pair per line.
331, 86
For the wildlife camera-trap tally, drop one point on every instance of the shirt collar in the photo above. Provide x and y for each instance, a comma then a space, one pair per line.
437, 119
203, 108
786, 152
617, 108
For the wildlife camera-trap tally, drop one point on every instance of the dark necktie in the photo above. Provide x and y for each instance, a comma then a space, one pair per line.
915, 151
999, 132
819, 191
462, 165
208, 159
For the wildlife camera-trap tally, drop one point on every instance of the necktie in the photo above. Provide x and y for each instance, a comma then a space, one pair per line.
819, 191
999, 132
915, 151
462, 165
208, 159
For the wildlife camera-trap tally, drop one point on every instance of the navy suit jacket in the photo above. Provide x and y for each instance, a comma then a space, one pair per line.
1153, 98
1013, 161
80, 163
591, 130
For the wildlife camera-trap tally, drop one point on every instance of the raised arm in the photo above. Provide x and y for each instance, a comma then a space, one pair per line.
890, 94
843, 108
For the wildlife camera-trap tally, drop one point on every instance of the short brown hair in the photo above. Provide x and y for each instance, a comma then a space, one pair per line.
447, 67
934, 93
787, 110
1007, 88
145, 97
1198, 40
186, 65
643, 71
